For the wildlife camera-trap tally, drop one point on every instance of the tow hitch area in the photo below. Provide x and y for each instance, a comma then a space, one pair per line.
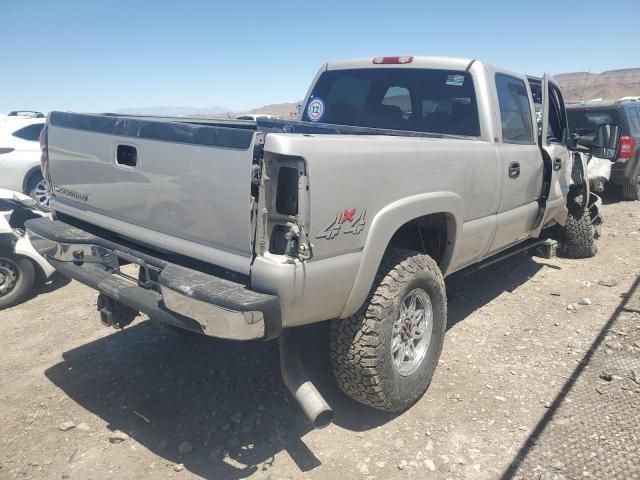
115, 314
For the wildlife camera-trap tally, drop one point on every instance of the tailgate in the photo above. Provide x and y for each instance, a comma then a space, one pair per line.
176, 186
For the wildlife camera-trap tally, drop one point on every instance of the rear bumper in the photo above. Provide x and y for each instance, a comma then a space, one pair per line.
180, 296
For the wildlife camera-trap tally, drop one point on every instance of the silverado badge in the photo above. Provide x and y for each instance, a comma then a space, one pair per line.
71, 193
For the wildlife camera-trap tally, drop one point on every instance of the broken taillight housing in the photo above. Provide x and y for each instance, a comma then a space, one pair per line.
44, 157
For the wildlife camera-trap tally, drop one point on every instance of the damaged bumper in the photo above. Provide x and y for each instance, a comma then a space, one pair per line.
166, 291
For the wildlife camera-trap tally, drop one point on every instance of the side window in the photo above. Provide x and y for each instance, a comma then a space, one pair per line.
515, 110
30, 132
634, 120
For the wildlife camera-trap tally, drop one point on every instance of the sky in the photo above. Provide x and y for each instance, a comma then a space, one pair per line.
92, 56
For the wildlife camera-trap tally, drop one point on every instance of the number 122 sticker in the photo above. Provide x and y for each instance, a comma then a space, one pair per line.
315, 109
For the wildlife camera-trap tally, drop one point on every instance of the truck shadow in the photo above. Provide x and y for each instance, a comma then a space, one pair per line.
53, 283
467, 292
226, 399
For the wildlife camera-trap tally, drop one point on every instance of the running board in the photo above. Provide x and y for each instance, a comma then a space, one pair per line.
498, 257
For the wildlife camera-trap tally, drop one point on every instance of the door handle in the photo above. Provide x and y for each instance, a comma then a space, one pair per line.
557, 164
514, 170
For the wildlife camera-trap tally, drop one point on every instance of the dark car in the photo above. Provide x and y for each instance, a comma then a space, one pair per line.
584, 119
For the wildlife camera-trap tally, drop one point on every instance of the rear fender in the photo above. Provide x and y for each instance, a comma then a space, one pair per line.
386, 222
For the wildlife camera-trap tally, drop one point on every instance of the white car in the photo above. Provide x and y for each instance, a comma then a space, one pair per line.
21, 267
20, 158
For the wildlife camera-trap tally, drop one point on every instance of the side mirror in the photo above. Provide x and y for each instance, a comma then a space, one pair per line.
607, 141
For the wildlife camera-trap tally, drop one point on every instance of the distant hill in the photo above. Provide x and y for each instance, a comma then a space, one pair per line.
609, 85
175, 111
285, 110
282, 110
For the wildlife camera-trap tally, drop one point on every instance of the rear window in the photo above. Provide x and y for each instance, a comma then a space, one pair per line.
420, 100
30, 132
586, 121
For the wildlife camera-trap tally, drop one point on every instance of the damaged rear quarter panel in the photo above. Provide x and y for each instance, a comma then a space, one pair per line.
351, 181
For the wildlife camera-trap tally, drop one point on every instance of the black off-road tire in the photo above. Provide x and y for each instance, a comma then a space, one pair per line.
360, 346
580, 236
631, 190
26, 274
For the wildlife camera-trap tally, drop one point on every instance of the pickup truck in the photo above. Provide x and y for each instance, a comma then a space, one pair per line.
398, 172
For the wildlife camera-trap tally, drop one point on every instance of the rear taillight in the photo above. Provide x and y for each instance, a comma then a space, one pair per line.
392, 60
626, 147
44, 156
6, 150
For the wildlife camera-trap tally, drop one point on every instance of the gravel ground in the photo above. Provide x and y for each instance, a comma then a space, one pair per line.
539, 378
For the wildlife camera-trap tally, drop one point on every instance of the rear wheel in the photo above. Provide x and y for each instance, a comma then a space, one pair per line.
17, 275
385, 355
580, 235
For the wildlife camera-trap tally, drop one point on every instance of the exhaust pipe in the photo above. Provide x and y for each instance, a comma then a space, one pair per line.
313, 405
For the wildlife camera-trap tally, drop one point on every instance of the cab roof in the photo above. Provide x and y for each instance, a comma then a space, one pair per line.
445, 63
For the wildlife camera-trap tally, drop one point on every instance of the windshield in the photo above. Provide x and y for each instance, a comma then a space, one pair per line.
421, 100
585, 121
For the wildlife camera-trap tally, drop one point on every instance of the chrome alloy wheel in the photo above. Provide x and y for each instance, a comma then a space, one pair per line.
41, 194
412, 332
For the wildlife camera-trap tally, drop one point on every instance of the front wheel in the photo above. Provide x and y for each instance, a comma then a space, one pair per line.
385, 355
580, 234
17, 275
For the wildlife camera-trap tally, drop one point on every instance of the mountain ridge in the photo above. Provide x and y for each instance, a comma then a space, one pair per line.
608, 85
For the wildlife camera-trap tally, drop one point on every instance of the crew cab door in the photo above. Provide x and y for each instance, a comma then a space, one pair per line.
552, 140
521, 161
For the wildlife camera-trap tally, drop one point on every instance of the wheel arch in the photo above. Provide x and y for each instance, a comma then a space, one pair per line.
29, 276
28, 176
392, 226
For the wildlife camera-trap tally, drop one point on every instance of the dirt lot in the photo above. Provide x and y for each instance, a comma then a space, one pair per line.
539, 378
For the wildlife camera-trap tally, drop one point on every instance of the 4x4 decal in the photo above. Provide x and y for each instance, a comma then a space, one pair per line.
347, 222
